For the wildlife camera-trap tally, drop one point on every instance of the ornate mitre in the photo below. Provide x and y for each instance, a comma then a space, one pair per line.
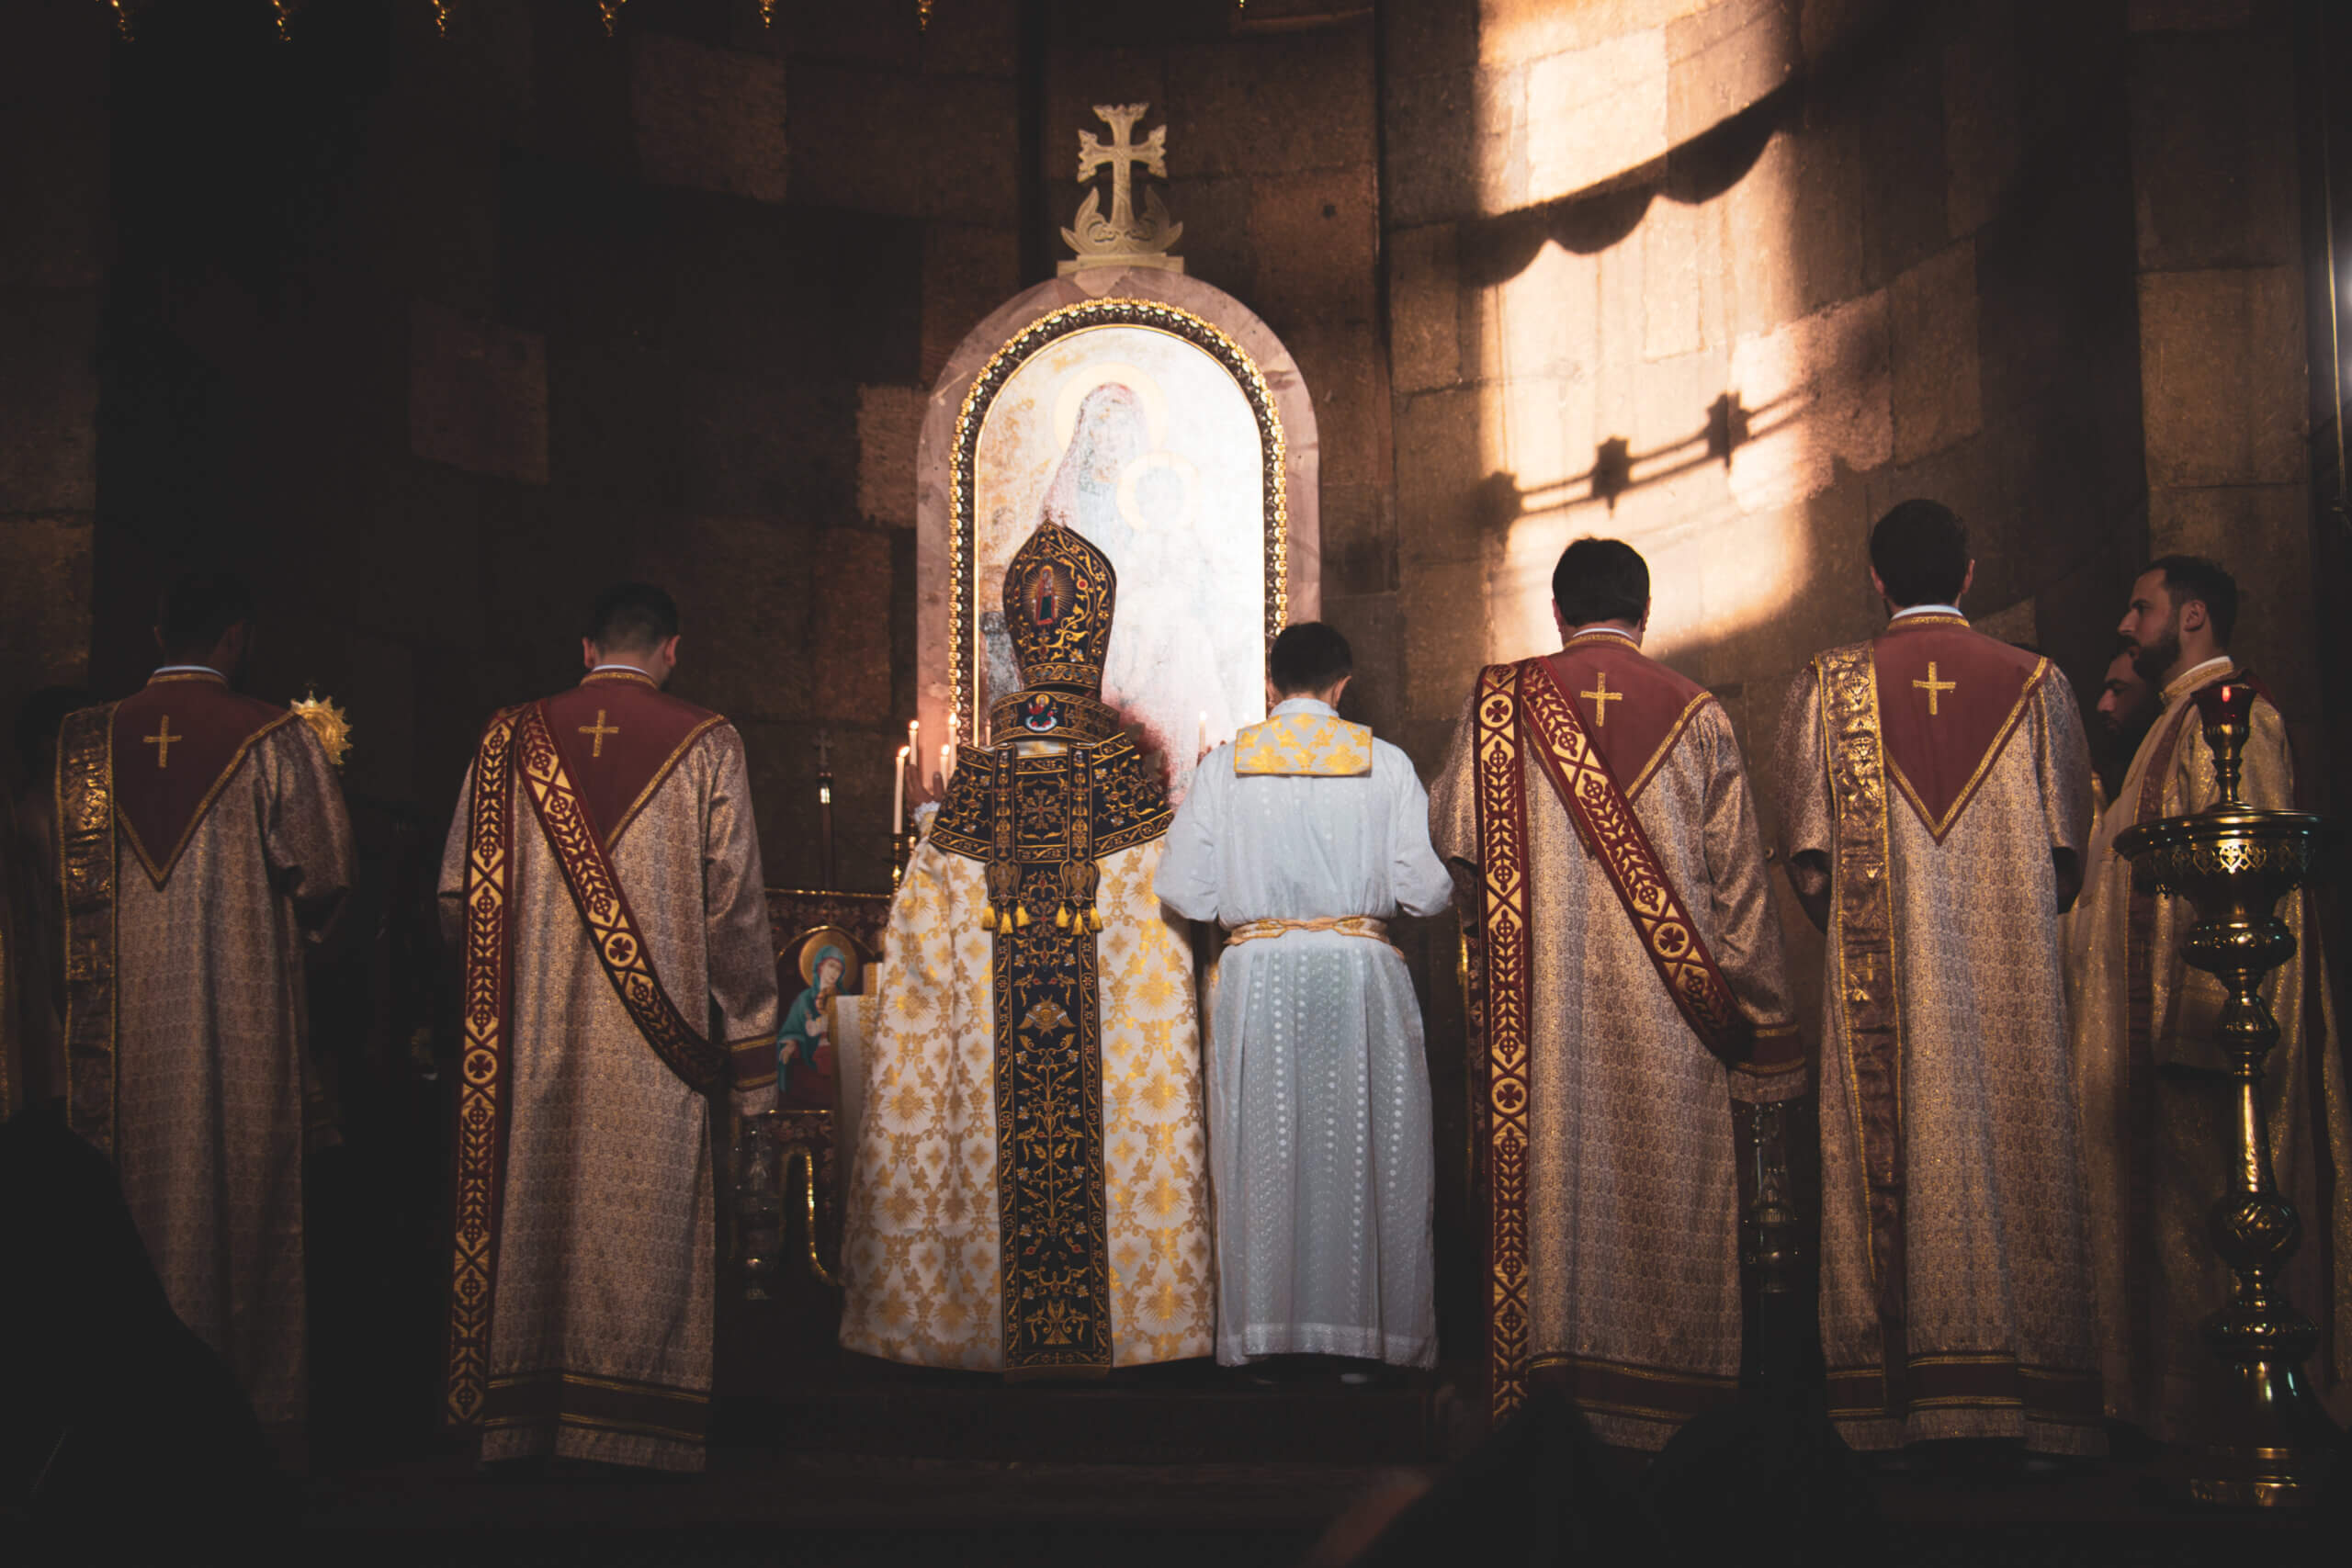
1059, 596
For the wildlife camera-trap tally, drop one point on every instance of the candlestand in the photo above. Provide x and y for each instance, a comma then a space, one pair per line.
2265, 1440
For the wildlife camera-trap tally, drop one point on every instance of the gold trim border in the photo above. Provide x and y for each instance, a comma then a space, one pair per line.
1049, 328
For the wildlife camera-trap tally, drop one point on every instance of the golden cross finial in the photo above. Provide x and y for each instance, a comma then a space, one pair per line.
1601, 696
161, 740
1934, 687
599, 731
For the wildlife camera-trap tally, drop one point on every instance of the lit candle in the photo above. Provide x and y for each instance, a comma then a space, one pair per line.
898, 794
914, 741
1205, 735
946, 764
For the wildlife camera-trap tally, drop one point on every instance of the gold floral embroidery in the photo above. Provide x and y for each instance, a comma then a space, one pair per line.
1311, 745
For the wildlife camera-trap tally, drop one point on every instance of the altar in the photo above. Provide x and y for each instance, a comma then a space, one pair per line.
1158, 418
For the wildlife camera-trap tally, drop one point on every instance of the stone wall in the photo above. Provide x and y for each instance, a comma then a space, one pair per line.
54, 244
2222, 288
1824, 258
436, 336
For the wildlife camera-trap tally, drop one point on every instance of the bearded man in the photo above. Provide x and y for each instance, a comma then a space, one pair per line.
2156, 1102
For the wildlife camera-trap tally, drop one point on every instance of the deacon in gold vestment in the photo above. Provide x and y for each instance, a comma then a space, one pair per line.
1936, 798
2157, 1111
1630, 988
603, 881
203, 842
1029, 1191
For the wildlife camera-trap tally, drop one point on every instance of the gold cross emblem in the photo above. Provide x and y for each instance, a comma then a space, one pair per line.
598, 730
1600, 697
161, 740
1934, 687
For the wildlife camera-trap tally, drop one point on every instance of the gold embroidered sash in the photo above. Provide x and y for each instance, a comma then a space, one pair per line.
1504, 1005
483, 1070
612, 925
1862, 933
1615, 838
86, 864
1363, 926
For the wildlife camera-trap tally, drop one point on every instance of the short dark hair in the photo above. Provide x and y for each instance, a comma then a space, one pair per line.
631, 617
196, 611
1920, 553
40, 716
1309, 656
1600, 580
2203, 579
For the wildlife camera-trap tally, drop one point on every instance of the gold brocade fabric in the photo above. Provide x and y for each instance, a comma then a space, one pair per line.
2158, 1133
209, 1040
921, 1249
599, 1331
1989, 1331
1633, 1294
1311, 745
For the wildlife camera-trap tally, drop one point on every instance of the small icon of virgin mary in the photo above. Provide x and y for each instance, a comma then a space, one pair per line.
805, 1044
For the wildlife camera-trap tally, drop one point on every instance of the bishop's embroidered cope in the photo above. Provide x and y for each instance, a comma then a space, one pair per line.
1093, 1161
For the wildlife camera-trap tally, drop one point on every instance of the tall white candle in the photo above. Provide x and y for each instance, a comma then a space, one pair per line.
946, 764
1204, 749
898, 794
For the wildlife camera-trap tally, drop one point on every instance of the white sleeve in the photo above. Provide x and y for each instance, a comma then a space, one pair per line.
1187, 882
1415, 876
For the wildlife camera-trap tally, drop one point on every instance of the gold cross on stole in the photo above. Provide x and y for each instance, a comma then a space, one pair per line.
599, 729
1934, 687
1601, 697
161, 740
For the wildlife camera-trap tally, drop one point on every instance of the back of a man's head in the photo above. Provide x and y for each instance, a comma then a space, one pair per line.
2203, 580
1600, 580
1310, 656
196, 611
632, 618
1920, 553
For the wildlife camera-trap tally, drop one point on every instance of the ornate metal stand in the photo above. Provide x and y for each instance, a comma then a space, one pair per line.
2266, 1441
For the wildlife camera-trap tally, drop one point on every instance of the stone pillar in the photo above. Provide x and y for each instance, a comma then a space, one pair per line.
53, 256
2221, 331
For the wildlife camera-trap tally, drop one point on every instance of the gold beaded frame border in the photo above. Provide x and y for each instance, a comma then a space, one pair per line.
962, 526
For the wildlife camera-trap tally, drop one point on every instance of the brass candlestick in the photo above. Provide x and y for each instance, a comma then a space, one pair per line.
2266, 1443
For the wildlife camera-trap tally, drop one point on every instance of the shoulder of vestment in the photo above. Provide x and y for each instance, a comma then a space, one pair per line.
1129, 800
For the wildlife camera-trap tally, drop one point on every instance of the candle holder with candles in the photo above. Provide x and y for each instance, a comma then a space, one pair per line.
2263, 1439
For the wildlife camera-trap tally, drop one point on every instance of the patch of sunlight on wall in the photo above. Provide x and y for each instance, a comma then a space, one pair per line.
1639, 346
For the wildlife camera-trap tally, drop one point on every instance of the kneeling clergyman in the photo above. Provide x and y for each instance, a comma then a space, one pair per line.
1629, 988
2158, 1103
1936, 800
1305, 836
603, 881
1029, 1191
